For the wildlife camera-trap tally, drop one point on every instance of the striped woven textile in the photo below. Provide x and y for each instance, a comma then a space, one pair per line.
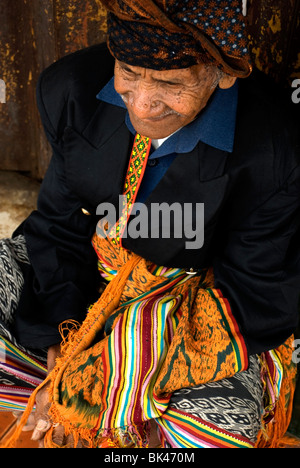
24, 374
146, 329
135, 351
156, 323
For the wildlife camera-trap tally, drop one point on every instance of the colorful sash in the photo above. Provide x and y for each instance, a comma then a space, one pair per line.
136, 169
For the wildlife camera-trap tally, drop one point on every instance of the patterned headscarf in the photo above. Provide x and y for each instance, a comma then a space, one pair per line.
172, 34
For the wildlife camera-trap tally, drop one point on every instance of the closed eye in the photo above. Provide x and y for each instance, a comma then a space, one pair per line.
170, 83
133, 75
128, 70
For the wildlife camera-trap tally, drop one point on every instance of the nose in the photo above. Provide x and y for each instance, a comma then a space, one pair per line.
144, 103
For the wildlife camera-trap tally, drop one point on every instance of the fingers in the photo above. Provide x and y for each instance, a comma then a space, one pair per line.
40, 429
58, 436
42, 422
59, 439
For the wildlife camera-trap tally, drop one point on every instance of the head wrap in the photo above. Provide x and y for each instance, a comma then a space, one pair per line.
172, 34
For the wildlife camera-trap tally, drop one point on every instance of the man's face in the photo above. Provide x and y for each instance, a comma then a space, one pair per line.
161, 102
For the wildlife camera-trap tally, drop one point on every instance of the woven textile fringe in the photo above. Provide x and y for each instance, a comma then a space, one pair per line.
273, 435
273, 432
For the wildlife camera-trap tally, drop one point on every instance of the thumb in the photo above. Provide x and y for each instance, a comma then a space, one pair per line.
42, 422
41, 428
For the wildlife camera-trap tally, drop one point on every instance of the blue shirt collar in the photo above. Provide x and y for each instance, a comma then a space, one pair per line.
214, 126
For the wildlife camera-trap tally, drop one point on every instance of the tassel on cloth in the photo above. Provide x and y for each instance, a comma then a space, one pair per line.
245, 7
273, 435
274, 429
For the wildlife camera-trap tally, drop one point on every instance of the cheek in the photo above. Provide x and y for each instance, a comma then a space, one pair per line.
123, 85
120, 85
187, 105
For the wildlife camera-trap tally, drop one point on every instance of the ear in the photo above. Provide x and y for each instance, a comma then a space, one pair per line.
227, 81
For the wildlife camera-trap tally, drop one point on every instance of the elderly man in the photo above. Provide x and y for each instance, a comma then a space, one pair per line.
178, 349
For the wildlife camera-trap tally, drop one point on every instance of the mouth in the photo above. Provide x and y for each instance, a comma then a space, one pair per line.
158, 118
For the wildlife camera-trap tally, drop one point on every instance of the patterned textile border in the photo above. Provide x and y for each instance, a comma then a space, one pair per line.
182, 430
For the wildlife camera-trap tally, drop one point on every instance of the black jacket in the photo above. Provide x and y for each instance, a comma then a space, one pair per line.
251, 199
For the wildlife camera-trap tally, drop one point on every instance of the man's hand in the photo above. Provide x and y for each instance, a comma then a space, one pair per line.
42, 420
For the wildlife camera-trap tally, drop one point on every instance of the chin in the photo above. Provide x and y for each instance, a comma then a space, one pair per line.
155, 133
